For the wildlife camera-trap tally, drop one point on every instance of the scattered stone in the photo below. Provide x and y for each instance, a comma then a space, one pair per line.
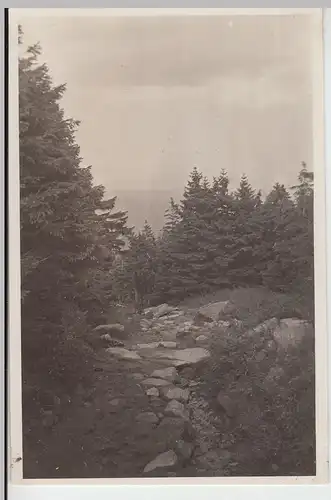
151, 345
193, 383
110, 341
148, 417
168, 345
269, 324
144, 323
166, 374
153, 392
275, 373
184, 449
212, 311
122, 353
138, 376
163, 310
237, 323
166, 459
176, 393
114, 402
192, 355
224, 324
176, 409
156, 382
290, 332
201, 339
226, 404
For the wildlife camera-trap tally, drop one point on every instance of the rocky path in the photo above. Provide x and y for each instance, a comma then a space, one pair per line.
146, 415
172, 347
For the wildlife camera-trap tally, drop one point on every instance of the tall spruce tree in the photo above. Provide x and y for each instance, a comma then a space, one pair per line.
242, 269
62, 237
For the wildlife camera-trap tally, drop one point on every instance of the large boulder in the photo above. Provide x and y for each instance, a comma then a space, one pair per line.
290, 332
213, 311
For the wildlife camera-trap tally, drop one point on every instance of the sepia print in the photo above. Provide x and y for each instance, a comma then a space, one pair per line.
167, 172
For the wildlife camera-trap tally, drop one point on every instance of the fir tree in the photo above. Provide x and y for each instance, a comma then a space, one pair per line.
63, 239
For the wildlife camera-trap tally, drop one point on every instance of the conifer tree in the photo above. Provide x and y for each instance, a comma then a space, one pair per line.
62, 236
241, 266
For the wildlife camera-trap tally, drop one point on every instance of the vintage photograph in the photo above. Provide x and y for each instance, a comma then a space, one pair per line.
167, 171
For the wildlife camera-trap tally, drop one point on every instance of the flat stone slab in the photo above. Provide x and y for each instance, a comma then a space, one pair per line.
168, 344
166, 374
151, 345
181, 357
155, 382
122, 353
166, 459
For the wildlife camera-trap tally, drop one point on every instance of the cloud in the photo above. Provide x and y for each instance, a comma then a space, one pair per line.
176, 51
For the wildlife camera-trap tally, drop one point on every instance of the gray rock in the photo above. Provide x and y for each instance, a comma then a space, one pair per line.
179, 357
176, 409
114, 330
176, 393
145, 323
226, 403
268, 325
148, 417
223, 324
138, 376
163, 310
184, 449
169, 336
201, 339
168, 344
153, 392
213, 310
192, 355
172, 429
151, 345
166, 459
156, 382
110, 341
122, 353
114, 402
166, 374
290, 332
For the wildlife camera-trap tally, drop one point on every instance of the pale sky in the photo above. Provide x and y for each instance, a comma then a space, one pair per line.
157, 96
